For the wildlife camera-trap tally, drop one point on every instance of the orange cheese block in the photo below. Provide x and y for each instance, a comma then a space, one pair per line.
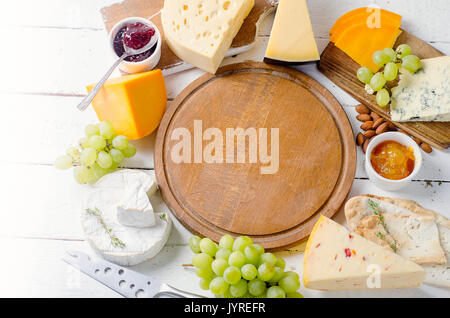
363, 18
360, 42
343, 19
134, 104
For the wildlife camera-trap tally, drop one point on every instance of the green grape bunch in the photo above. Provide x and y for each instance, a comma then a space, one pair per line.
98, 153
238, 268
392, 62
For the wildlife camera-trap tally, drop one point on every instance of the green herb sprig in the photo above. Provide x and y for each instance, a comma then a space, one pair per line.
115, 241
376, 210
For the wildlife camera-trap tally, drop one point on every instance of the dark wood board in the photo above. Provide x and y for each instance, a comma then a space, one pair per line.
151, 8
341, 69
317, 156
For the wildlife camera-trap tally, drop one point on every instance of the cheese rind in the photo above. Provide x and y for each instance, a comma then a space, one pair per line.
201, 32
336, 259
425, 95
292, 38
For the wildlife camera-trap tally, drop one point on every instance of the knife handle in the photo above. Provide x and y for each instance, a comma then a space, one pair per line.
167, 290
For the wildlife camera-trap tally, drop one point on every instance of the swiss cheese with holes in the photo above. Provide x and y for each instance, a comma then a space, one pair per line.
200, 32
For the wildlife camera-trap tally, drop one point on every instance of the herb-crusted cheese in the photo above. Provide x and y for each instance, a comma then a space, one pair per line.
425, 95
336, 259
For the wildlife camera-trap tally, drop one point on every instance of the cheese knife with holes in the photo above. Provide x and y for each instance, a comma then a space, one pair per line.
122, 280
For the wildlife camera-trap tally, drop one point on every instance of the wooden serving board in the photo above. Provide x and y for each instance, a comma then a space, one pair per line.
317, 156
151, 9
341, 69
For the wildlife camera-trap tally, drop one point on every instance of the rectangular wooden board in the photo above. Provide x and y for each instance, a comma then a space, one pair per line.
341, 69
151, 9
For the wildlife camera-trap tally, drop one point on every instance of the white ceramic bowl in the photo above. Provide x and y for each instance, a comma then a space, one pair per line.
142, 66
384, 183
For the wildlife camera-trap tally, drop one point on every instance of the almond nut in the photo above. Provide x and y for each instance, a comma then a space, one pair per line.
426, 147
382, 128
362, 109
392, 126
367, 125
374, 116
377, 123
365, 145
363, 117
369, 133
417, 140
359, 139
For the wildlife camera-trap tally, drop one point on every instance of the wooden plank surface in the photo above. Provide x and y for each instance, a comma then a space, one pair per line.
40, 122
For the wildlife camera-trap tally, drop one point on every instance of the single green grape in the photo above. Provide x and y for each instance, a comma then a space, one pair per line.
204, 283
219, 266
116, 155
391, 53
205, 273
202, 260
91, 130
383, 97
268, 258
194, 244
293, 274
104, 160
97, 142
266, 271
237, 259
403, 50
277, 276
88, 156
120, 142
364, 74
218, 286
73, 152
98, 171
130, 151
83, 174
275, 292
390, 71
289, 284
258, 248
256, 287
232, 275
84, 142
411, 63
380, 58
106, 129
241, 242
63, 162
223, 254
226, 242
280, 263
249, 271
294, 295
377, 82
251, 254
208, 246
238, 289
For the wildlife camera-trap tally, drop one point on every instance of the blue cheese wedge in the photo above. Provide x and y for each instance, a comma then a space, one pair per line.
336, 259
425, 95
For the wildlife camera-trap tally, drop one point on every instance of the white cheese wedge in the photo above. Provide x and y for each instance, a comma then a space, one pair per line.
336, 259
439, 275
292, 39
134, 208
201, 32
120, 244
425, 95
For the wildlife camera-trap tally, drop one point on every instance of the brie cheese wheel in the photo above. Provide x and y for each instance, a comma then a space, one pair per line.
336, 259
201, 33
135, 209
109, 238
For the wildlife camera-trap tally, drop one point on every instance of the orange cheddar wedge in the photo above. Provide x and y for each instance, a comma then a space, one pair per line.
134, 104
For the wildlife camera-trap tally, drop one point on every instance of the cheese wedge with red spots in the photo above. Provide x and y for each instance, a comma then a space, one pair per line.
336, 259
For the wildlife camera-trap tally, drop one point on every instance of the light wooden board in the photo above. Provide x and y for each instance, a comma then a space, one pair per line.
278, 209
341, 69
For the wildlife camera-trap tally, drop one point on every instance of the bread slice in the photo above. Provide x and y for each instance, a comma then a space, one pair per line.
420, 234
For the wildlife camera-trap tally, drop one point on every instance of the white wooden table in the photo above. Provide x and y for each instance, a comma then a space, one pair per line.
51, 50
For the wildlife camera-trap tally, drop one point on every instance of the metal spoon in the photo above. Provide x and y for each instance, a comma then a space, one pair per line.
128, 52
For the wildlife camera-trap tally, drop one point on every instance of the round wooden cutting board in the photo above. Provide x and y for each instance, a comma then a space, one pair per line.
295, 159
